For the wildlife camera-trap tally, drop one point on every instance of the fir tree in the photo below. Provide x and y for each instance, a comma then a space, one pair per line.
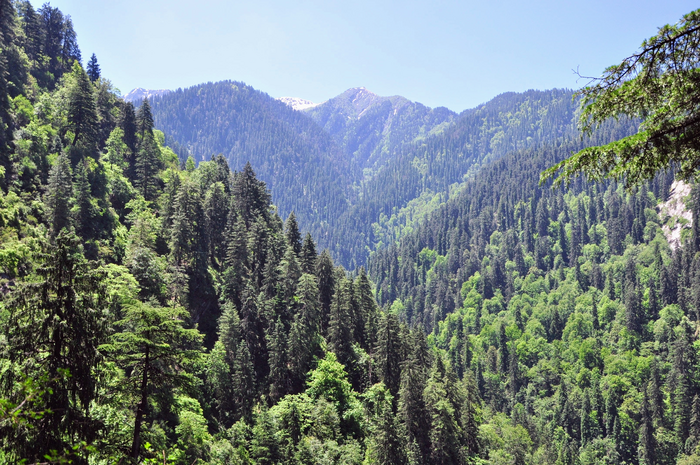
58, 198
144, 119
308, 255
55, 325
153, 346
292, 235
93, 69
82, 109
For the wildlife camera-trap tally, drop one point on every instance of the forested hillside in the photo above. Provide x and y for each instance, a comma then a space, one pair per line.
574, 314
424, 174
156, 310
305, 171
397, 160
370, 129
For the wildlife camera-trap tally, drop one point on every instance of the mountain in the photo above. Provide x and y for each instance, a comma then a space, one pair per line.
423, 174
138, 94
301, 164
369, 166
370, 128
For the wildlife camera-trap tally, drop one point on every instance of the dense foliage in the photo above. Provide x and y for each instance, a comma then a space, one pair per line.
151, 310
660, 84
360, 170
576, 317
157, 310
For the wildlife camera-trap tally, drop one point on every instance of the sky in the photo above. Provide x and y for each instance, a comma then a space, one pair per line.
456, 54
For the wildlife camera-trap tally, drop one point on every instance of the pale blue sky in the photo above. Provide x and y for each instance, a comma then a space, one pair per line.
456, 54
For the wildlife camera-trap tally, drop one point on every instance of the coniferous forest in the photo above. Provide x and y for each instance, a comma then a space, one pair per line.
162, 302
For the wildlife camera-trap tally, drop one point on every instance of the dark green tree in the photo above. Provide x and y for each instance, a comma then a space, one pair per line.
55, 325
59, 195
155, 348
82, 108
93, 68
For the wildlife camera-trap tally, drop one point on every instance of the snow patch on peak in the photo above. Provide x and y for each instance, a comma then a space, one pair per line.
138, 94
297, 103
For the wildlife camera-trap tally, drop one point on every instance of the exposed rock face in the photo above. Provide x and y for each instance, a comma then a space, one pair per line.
297, 103
138, 94
675, 214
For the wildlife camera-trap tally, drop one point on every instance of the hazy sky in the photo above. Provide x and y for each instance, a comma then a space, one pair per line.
456, 54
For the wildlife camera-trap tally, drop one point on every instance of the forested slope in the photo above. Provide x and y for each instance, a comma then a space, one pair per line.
153, 312
304, 169
371, 129
577, 319
420, 177
371, 166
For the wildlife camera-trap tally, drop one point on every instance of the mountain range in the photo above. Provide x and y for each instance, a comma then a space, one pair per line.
358, 169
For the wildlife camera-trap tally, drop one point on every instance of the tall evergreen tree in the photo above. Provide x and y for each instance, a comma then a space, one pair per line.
82, 108
153, 346
55, 326
58, 198
93, 69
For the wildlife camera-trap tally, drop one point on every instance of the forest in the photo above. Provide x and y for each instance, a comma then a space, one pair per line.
159, 307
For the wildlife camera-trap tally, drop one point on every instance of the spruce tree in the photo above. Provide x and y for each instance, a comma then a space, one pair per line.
82, 109
308, 255
216, 215
148, 164
58, 198
292, 235
85, 211
93, 68
339, 331
55, 324
154, 347
144, 119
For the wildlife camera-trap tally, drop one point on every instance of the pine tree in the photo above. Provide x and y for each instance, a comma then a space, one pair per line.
144, 119
82, 109
292, 235
216, 219
303, 338
58, 198
326, 286
148, 164
308, 255
412, 410
339, 331
646, 434
128, 125
277, 361
55, 325
93, 69
366, 330
389, 352
85, 211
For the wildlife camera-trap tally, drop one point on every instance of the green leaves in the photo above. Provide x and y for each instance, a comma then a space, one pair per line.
660, 85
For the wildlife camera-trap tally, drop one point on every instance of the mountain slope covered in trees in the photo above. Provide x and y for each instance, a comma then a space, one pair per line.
577, 319
300, 163
370, 129
399, 160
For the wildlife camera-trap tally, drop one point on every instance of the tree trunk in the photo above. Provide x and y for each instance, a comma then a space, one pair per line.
140, 410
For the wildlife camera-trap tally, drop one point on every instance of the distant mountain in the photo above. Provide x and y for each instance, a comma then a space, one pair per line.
359, 170
371, 128
302, 166
138, 94
297, 103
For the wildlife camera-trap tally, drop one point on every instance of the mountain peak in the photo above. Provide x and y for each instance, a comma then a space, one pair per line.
297, 103
140, 93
